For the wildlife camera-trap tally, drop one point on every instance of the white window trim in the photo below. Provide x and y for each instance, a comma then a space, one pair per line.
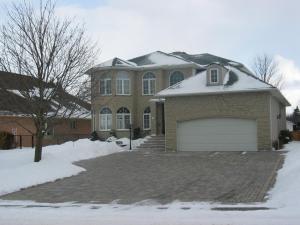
123, 90
94, 128
148, 114
149, 90
106, 116
210, 76
105, 80
123, 120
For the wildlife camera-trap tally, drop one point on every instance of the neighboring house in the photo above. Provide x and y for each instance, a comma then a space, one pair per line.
15, 117
296, 119
199, 102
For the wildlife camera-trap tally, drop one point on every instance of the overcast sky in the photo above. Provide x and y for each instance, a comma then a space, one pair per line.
234, 29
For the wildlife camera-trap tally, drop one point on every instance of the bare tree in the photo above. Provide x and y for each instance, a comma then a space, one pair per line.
53, 51
266, 68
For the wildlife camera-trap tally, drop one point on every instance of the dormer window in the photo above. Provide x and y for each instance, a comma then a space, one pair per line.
214, 76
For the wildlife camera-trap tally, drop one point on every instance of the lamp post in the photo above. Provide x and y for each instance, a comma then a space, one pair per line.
130, 127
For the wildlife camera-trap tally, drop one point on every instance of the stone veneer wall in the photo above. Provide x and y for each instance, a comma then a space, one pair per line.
240, 105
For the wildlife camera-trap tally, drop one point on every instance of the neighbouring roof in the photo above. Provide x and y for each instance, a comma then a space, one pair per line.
14, 87
234, 81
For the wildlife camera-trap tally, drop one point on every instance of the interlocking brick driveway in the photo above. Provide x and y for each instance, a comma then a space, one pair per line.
227, 177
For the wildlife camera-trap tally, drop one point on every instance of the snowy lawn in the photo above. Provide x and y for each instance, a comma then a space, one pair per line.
284, 204
17, 169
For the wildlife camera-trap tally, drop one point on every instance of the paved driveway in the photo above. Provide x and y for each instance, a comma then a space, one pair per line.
227, 177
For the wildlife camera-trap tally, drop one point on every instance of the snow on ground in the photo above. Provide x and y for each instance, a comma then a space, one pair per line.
284, 204
18, 170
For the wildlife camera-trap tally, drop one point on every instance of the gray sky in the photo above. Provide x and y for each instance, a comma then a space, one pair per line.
234, 29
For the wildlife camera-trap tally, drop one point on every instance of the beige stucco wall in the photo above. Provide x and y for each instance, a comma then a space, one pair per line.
136, 102
242, 105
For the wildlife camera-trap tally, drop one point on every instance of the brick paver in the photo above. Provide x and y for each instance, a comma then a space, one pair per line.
128, 177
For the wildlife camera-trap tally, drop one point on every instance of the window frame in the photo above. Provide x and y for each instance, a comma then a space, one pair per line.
148, 80
174, 73
106, 117
123, 76
147, 114
123, 119
105, 85
210, 76
94, 124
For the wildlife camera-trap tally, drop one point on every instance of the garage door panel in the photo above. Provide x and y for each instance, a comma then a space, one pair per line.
220, 134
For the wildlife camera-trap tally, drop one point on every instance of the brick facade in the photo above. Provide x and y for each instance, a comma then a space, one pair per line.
61, 130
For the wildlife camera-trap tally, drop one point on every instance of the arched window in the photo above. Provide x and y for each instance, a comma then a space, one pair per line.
105, 119
123, 118
123, 83
176, 77
147, 119
149, 84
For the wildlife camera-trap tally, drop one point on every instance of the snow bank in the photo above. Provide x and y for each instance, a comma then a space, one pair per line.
286, 192
17, 169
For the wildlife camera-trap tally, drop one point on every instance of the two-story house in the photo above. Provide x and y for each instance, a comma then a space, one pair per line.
199, 102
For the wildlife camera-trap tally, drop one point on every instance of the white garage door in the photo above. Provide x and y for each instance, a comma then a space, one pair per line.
219, 134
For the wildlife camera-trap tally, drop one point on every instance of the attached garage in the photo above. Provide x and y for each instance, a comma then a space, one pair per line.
217, 134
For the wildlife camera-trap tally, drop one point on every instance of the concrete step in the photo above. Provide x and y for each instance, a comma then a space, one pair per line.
152, 145
156, 143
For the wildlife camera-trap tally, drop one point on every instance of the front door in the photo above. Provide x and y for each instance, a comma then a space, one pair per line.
160, 118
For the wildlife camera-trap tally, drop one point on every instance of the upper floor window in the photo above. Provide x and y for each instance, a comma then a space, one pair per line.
214, 76
105, 85
149, 84
123, 118
176, 77
105, 119
123, 83
147, 119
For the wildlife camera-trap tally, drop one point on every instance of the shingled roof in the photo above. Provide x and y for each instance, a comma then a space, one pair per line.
12, 100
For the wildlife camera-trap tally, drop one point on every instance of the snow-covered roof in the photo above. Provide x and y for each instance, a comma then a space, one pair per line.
197, 84
18, 91
154, 59
116, 62
159, 58
234, 81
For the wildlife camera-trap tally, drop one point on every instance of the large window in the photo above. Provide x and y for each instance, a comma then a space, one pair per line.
149, 84
147, 119
214, 76
123, 83
123, 118
176, 77
105, 85
105, 119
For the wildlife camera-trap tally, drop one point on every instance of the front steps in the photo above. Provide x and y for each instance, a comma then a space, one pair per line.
154, 143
